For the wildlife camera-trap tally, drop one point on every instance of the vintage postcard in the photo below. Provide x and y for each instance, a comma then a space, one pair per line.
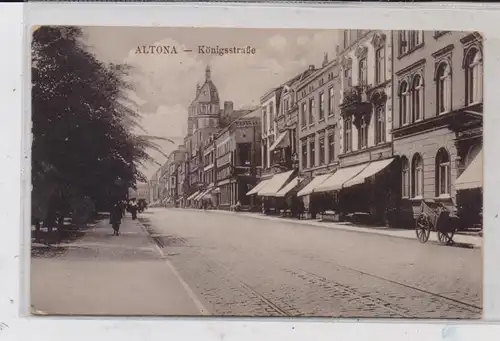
256, 172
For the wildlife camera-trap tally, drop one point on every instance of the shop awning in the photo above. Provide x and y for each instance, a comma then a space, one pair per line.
335, 181
288, 187
370, 170
199, 196
472, 177
257, 187
191, 197
313, 184
278, 141
275, 184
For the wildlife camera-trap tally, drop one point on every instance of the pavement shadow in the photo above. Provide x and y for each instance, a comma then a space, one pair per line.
47, 243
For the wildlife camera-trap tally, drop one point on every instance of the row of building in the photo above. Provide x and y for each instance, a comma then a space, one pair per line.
393, 118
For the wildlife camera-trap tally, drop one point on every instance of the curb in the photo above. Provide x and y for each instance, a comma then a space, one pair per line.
320, 225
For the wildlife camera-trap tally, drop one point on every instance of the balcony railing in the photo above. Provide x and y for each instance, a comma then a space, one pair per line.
355, 101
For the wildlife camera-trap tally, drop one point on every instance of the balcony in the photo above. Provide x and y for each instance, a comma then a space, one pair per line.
356, 101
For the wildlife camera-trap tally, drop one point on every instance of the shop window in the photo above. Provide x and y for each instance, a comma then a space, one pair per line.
403, 103
443, 88
417, 98
474, 76
417, 176
443, 173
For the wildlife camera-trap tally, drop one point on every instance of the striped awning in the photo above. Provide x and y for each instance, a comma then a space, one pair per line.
257, 188
192, 196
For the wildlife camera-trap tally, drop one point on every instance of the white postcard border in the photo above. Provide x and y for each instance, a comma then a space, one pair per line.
14, 260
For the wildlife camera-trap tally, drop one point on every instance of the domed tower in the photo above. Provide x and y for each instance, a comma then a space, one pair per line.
205, 110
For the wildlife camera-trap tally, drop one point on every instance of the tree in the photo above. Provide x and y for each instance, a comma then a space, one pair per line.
84, 127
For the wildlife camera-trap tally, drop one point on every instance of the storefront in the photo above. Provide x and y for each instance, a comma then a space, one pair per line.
272, 203
469, 187
369, 188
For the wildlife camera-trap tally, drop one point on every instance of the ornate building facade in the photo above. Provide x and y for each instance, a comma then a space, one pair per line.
438, 111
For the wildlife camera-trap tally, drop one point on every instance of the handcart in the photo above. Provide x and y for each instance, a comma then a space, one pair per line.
434, 216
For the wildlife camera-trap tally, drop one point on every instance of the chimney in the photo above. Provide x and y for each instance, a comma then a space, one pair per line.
325, 60
311, 67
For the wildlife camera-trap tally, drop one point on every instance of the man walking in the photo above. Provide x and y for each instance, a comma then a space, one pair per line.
115, 218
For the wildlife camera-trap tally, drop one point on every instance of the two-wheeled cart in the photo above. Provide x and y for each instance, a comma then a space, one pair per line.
434, 216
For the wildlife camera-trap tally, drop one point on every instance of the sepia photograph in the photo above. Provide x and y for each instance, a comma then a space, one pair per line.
248, 172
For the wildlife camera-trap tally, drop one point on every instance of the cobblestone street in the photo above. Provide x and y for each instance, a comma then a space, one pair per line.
238, 265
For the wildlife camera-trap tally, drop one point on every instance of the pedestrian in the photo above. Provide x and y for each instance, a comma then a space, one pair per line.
133, 209
115, 218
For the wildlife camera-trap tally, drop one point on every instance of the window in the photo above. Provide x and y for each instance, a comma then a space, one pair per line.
311, 110
417, 95
417, 176
363, 134
403, 103
322, 150
363, 72
264, 120
474, 77
285, 106
348, 75
293, 140
312, 153
403, 42
271, 116
416, 38
321, 106
380, 124
346, 38
304, 155
409, 41
264, 155
331, 146
331, 101
405, 177
303, 114
380, 65
442, 173
347, 135
443, 88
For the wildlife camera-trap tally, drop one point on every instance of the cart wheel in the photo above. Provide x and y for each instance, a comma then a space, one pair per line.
445, 238
423, 228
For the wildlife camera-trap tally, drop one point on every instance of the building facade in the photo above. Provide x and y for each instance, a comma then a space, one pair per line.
363, 182
237, 156
438, 110
317, 102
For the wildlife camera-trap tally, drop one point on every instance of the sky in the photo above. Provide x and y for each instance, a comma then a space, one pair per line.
165, 84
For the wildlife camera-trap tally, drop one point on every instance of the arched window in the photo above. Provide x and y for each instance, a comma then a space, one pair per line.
403, 103
443, 79
474, 76
417, 99
417, 176
405, 178
443, 172
363, 134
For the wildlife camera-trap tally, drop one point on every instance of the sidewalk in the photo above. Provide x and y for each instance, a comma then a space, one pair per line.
102, 274
465, 240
